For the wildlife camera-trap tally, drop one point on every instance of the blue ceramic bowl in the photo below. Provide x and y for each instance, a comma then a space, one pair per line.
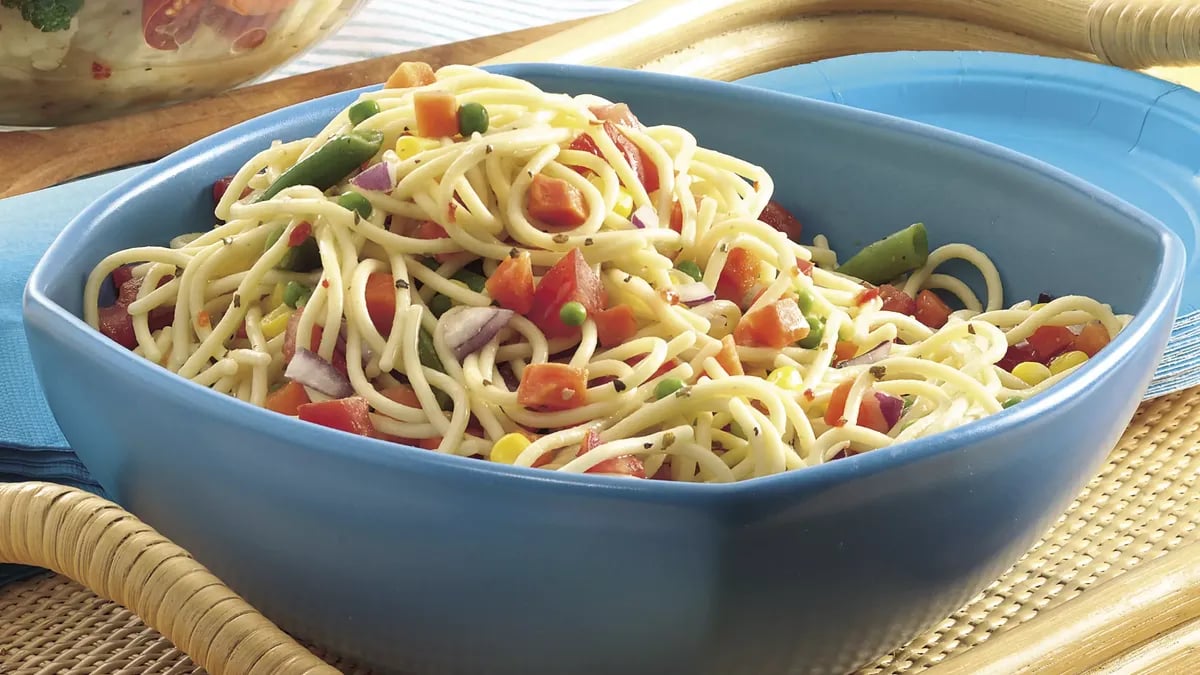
433, 564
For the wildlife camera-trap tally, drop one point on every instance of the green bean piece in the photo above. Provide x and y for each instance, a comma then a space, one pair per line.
472, 117
296, 294
573, 313
1010, 402
474, 281
440, 304
353, 201
303, 258
429, 358
691, 269
667, 387
330, 164
816, 331
362, 111
888, 258
429, 262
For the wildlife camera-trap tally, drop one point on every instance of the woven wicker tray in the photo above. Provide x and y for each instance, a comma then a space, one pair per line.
1112, 587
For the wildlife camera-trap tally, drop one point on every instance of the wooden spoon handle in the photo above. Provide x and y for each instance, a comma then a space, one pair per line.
39, 159
653, 33
1145, 617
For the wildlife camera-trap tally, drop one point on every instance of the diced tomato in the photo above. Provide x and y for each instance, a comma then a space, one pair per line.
167, 24
300, 234
1092, 338
870, 414
555, 202
1016, 354
776, 325
728, 357
643, 167
115, 322
781, 219
624, 465
511, 285
1050, 341
436, 113
615, 326
896, 300
552, 387
571, 279
677, 217
254, 7
404, 395
345, 414
844, 351
219, 187
381, 301
428, 229
931, 311
411, 74
738, 276
287, 399
120, 275
842, 454
289, 342
805, 267
866, 295
618, 113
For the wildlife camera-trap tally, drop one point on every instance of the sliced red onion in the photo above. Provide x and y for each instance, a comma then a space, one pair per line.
313, 371
695, 294
878, 353
377, 177
644, 217
891, 407
467, 329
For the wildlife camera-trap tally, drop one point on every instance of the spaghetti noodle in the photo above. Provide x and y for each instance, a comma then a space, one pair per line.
466, 263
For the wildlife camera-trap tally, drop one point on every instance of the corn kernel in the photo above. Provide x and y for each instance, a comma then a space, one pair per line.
786, 377
1031, 372
276, 297
275, 322
624, 204
408, 146
508, 448
1067, 361
1036, 307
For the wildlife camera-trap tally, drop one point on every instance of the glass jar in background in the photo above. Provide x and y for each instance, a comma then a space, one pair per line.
70, 61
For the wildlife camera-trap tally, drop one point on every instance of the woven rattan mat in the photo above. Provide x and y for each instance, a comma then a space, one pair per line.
1140, 507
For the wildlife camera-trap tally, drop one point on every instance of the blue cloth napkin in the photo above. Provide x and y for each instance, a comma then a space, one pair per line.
31, 445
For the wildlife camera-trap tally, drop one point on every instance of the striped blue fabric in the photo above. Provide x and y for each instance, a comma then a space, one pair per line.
390, 26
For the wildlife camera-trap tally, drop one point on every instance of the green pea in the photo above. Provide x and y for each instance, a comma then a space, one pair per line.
362, 111
816, 331
440, 304
353, 201
805, 301
691, 269
296, 294
573, 314
667, 386
1008, 403
472, 117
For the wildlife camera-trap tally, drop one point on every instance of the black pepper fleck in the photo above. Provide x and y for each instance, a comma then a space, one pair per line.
971, 328
514, 253
647, 445
619, 386
560, 238
402, 284
237, 301
877, 372
588, 241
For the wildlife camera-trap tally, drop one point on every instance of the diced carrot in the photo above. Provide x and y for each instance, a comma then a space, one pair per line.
776, 325
677, 217
511, 285
836, 410
552, 386
930, 310
866, 295
738, 276
615, 326
436, 112
411, 74
1092, 338
728, 357
402, 394
844, 351
381, 301
555, 202
287, 399
203, 319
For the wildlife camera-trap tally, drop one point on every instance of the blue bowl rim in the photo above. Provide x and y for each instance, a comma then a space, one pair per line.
1167, 278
